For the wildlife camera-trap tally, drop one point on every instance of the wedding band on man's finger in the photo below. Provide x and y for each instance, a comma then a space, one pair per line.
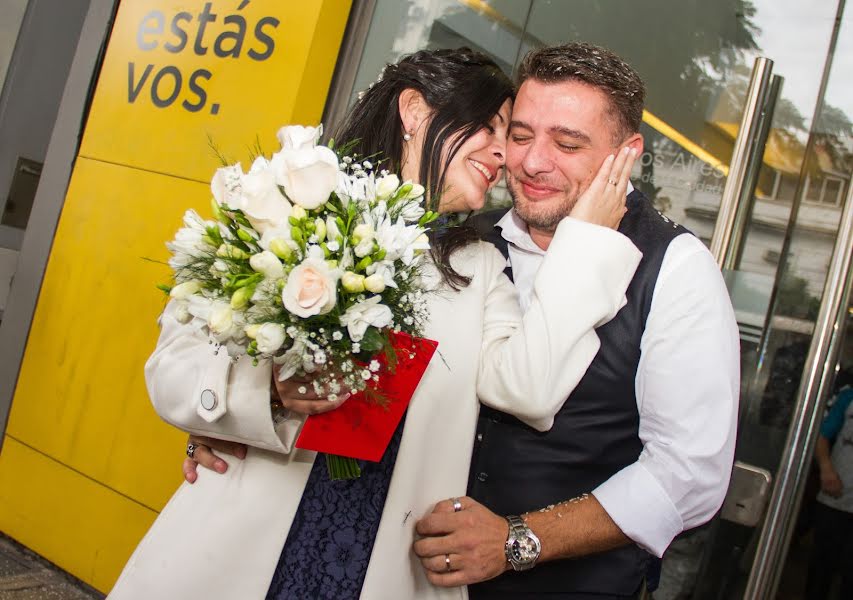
457, 504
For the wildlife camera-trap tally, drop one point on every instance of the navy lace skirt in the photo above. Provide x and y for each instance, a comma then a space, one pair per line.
332, 535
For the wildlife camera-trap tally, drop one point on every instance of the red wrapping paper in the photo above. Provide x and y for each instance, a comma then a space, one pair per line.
360, 428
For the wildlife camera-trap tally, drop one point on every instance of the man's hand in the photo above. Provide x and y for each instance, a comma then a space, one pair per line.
473, 539
205, 457
830, 482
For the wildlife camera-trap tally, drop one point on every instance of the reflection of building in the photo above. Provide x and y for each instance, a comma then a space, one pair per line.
695, 57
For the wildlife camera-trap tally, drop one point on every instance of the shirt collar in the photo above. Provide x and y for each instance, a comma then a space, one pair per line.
514, 230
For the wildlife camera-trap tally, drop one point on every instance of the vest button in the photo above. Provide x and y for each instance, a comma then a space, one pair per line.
479, 437
483, 476
208, 400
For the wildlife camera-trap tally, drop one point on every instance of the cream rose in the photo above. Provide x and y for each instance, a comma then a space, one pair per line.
310, 289
308, 175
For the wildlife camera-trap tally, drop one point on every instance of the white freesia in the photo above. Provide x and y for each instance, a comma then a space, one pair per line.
182, 312
353, 282
184, 290
267, 263
188, 243
221, 318
374, 283
400, 241
225, 185
311, 288
270, 337
332, 231
358, 188
260, 198
411, 211
386, 186
308, 175
297, 357
386, 270
359, 317
416, 192
298, 137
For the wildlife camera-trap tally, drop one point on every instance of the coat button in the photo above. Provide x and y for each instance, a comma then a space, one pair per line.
483, 476
479, 437
208, 400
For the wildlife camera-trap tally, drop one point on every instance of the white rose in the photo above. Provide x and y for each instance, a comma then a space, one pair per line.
225, 185
310, 289
359, 317
267, 263
221, 318
270, 337
297, 137
308, 175
184, 290
261, 200
387, 185
374, 283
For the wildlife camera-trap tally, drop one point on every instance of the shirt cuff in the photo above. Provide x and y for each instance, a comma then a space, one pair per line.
640, 507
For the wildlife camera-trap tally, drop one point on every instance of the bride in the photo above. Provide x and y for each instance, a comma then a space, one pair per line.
275, 526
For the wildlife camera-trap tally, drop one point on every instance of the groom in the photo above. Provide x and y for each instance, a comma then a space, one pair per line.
642, 449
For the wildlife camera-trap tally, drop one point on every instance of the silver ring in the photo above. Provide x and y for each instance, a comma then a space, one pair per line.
191, 448
457, 505
447, 562
612, 181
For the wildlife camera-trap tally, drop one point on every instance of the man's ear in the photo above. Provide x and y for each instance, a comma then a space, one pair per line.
635, 142
413, 110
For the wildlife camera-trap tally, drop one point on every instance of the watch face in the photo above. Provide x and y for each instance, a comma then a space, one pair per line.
524, 549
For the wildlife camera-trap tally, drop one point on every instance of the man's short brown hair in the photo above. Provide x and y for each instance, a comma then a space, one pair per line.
597, 67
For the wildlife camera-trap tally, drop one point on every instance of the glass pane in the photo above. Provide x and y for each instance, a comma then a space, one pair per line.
403, 26
11, 15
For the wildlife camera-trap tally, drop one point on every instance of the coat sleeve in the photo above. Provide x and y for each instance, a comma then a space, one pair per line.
529, 365
197, 387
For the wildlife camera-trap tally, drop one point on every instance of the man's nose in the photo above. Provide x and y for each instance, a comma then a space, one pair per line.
536, 159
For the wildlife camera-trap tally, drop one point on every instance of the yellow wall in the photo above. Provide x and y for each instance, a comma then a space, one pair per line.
86, 463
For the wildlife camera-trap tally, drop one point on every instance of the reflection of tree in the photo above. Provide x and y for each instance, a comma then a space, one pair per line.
834, 139
684, 50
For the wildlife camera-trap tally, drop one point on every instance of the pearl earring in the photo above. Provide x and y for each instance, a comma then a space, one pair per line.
407, 136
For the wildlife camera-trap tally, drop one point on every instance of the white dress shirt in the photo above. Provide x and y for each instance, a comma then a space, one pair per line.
687, 387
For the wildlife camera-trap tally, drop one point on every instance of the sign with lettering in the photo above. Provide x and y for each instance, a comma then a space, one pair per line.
180, 76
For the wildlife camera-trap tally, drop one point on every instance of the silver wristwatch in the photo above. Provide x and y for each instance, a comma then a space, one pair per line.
522, 546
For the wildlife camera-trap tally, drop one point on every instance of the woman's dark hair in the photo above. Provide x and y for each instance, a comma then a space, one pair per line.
464, 89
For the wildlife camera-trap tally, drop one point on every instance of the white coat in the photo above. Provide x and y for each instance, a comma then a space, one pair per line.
220, 538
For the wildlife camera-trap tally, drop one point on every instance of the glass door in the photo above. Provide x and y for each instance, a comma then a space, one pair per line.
696, 59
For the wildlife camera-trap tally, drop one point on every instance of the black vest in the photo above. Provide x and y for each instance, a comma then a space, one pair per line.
516, 469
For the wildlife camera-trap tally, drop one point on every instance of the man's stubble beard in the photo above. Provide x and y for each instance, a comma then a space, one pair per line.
542, 220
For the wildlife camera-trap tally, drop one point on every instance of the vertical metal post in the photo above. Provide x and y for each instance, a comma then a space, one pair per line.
755, 159
756, 100
794, 466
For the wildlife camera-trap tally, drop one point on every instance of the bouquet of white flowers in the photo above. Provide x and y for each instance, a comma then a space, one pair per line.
313, 260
